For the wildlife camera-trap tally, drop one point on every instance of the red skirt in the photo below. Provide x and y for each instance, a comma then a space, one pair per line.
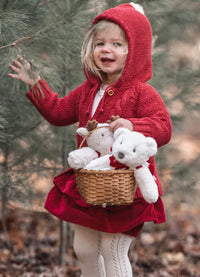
64, 202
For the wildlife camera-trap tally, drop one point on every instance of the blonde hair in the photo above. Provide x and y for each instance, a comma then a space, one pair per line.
89, 45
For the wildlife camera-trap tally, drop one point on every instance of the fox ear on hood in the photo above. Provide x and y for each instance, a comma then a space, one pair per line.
138, 7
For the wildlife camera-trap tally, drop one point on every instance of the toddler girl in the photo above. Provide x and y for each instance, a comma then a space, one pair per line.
117, 62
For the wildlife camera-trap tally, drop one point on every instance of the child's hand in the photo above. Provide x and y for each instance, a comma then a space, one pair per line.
121, 122
24, 72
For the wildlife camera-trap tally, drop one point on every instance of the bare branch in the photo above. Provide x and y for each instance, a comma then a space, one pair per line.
20, 40
46, 30
16, 42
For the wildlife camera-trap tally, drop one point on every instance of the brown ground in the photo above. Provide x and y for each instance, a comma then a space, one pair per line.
168, 250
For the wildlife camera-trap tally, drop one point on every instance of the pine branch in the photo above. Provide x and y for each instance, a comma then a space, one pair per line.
16, 42
27, 130
60, 23
42, 32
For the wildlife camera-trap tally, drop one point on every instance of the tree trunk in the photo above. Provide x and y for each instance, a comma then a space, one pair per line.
4, 196
66, 234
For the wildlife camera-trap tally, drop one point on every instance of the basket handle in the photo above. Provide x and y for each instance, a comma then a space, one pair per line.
84, 139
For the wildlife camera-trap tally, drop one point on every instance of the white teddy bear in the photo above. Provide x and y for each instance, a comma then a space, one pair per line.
99, 139
133, 150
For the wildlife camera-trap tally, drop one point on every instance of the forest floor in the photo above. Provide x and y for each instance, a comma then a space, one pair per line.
171, 249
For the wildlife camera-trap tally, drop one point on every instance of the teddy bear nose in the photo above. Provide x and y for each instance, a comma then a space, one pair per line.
121, 155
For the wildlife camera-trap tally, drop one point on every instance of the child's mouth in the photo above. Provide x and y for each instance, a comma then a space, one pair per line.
107, 60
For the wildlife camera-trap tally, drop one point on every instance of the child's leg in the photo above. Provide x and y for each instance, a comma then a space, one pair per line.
114, 248
87, 246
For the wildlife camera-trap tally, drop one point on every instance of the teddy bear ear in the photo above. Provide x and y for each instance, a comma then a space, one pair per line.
152, 146
82, 132
120, 131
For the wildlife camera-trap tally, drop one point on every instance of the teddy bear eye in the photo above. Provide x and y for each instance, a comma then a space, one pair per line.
102, 135
134, 149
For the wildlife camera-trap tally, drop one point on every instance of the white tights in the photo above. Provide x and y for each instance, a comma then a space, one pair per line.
102, 254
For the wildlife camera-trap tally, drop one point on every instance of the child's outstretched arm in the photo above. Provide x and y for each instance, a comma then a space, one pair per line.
57, 111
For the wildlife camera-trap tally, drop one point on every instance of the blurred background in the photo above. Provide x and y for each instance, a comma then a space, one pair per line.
49, 34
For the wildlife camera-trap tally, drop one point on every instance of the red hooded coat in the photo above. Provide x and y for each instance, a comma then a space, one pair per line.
131, 98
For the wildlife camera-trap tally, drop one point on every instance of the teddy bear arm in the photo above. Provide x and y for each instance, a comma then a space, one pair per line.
147, 184
102, 163
81, 157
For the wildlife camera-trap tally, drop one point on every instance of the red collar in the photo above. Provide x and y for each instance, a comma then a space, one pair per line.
117, 165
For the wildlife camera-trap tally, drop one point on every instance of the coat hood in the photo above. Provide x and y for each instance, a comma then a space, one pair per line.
138, 67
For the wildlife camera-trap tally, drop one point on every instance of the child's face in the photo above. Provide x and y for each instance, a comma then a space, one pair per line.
110, 52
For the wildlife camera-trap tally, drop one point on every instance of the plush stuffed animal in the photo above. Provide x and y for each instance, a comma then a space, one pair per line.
99, 139
131, 150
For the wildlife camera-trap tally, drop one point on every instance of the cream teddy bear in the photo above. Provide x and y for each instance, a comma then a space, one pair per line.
99, 139
131, 150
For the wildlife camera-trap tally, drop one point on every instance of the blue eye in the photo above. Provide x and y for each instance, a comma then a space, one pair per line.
99, 44
117, 44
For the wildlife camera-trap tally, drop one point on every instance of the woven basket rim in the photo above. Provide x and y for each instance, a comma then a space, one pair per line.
112, 171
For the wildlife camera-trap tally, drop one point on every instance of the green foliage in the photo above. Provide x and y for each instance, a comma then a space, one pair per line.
48, 34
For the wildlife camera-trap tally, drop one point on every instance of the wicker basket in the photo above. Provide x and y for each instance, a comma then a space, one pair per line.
105, 187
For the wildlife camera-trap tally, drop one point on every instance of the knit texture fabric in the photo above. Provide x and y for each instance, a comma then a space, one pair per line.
102, 254
131, 98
